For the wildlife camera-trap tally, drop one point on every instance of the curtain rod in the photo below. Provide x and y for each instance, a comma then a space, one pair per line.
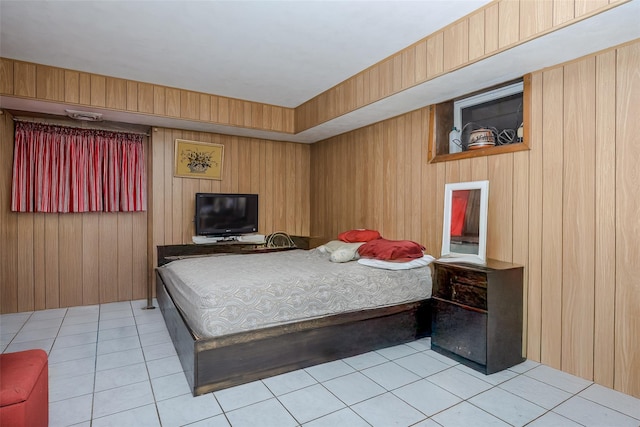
82, 125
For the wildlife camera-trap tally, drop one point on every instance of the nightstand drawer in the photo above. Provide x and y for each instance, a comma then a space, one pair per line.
471, 296
464, 289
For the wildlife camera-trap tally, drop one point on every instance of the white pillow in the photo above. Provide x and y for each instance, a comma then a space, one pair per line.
388, 265
341, 251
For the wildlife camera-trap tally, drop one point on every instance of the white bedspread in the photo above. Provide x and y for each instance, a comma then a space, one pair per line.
225, 294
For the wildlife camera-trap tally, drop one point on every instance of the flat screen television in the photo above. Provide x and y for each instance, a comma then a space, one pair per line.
220, 215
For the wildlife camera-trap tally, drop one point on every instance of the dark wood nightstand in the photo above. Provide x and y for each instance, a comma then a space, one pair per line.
477, 314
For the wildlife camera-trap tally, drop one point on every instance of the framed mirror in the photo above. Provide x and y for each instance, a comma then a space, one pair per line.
464, 232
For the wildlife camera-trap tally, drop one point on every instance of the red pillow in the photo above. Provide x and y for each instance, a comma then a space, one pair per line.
391, 250
355, 236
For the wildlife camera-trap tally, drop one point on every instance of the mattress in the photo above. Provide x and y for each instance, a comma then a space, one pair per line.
225, 294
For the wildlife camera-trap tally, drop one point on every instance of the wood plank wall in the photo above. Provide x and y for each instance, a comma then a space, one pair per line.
27, 80
567, 209
277, 171
62, 260
498, 26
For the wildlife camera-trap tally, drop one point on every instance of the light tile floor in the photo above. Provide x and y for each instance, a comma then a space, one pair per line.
115, 365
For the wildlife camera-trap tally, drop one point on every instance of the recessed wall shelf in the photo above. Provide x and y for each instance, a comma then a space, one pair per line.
442, 121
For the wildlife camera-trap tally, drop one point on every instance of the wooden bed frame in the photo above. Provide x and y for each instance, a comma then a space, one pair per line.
217, 363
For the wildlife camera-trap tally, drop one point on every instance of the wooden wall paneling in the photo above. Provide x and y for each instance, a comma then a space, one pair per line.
159, 139
70, 258
535, 17
172, 102
39, 255
247, 119
578, 227
534, 264
373, 77
314, 192
421, 61
365, 173
408, 67
277, 118
85, 89
279, 197
360, 193
234, 169
342, 214
340, 98
174, 200
184, 223
563, 11
290, 187
204, 107
52, 261
403, 169
396, 81
476, 34
552, 158
24, 79
452, 172
223, 110
25, 268
508, 23
414, 200
520, 236
390, 156
464, 170
98, 90
456, 44
431, 229
266, 170
236, 112
6, 76
108, 252
586, 7
8, 250
90, 258
605, 221
125, 255
379, 176
491, 28
213, 107
189, 105
440, 184
500, 218
116, 93
145, 101
479, 169
435, 55
132, 96
159, 100
72, 87
139, 272
385, 78
296, 189
253, 148
627, 326
244, 166
358, 84
49, 83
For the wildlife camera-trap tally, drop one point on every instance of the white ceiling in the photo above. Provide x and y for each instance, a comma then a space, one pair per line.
276, 52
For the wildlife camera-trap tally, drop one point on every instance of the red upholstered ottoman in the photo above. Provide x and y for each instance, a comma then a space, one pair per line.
24, 389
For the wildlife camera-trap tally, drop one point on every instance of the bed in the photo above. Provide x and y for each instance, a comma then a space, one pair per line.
220, 345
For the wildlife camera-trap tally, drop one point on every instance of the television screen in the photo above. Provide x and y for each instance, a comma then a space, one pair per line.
226, 214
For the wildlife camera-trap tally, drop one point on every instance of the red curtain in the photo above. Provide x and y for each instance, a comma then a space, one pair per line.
64, 169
